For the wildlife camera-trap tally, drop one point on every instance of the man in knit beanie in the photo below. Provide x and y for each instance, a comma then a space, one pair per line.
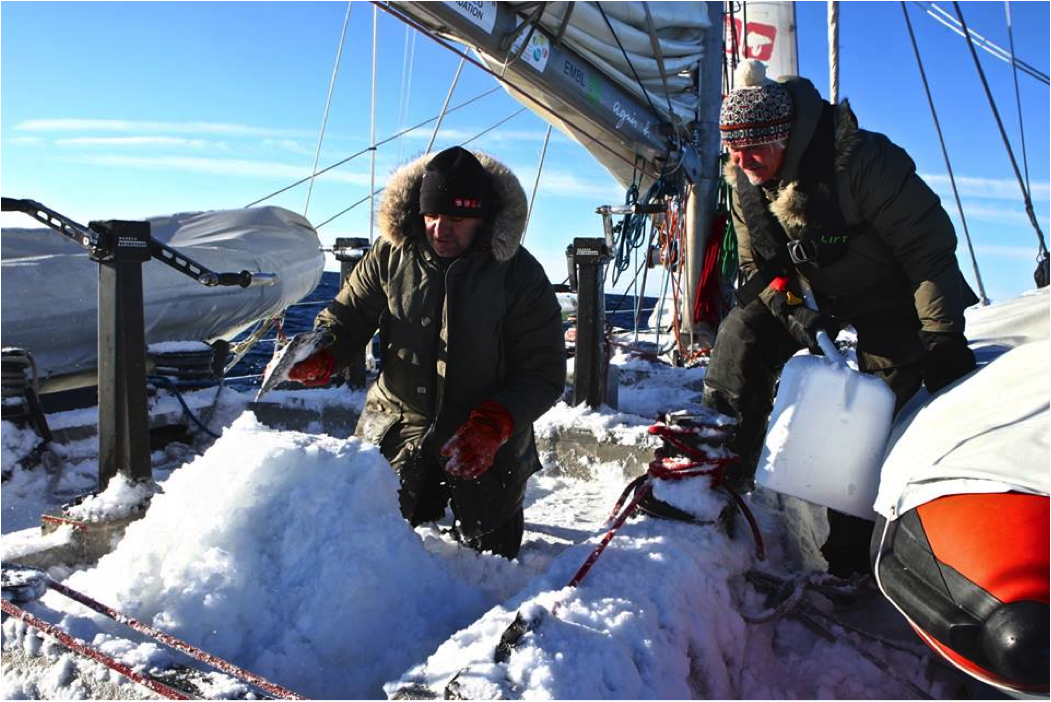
754, 122
472, 348
835, 215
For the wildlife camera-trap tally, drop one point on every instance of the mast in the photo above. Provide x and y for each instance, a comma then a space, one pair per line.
702, 192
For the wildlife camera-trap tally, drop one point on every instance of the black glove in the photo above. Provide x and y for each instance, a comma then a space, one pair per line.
948, 359
802, 322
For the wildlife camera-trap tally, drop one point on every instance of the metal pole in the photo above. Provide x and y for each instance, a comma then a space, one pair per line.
372, 130
348, 251
590, 256
124, 430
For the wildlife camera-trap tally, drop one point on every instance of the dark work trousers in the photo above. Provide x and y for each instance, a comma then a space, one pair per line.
751, 348
425, 495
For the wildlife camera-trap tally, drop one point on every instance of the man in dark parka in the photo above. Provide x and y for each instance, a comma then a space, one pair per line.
472, 347
824, 208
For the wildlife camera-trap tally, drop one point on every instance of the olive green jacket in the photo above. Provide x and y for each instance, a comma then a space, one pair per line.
905, 253
483, 326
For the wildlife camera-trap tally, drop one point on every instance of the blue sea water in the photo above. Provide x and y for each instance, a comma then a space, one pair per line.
300, 317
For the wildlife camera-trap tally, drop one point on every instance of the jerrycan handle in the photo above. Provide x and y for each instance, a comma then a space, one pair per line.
829, 348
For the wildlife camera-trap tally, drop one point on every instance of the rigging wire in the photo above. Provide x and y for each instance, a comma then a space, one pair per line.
1003, 134
445, 106
578, 131
1018, 96
328, 105
374, 146
954, 24
377, 191
482, 133
735, 44
983, 299
536, 183
372, 128
408, 60
833, 51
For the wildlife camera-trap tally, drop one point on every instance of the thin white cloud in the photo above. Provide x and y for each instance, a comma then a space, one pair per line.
26, 140
1005, 216
458, 136
131, 126
228, 167
135, 141
567, 184
290, 145
987, 188
1020, 253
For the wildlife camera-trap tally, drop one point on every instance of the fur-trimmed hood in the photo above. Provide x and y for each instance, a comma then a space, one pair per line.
400, 221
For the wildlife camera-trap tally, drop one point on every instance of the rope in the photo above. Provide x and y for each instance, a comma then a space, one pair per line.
708, 298
168, 383
728, 262
328, 104
84, 649
821, 622
174, 642
373, 147
1003, 134
945, 154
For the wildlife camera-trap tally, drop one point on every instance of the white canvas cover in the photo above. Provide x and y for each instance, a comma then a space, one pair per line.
990, 431
50, 287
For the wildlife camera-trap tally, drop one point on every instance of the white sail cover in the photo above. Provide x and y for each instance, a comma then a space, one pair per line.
50, 287
989, 432
679, 27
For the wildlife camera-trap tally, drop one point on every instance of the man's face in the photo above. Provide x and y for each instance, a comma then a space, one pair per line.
450, 236
759, 163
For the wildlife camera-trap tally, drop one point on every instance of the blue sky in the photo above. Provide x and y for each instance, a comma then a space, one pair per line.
124, 110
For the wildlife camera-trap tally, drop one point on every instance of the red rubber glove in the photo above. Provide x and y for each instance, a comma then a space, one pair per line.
314, 370
474, 445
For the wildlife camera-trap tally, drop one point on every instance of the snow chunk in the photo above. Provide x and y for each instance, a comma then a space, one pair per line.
121, 498
286, 554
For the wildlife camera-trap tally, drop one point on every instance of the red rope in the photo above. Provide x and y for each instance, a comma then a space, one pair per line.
708, 305
661, 468
176, 643
85, 650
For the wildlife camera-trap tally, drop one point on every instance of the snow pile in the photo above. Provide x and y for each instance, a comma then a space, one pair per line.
15, 444
657, 617
286, 554
625, 429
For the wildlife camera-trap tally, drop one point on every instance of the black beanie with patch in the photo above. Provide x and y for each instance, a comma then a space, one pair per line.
455, 183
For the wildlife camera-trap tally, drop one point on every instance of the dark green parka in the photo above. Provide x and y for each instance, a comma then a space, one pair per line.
455, 333
900, 253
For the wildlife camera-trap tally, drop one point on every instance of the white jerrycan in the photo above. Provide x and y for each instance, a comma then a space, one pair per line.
827, 433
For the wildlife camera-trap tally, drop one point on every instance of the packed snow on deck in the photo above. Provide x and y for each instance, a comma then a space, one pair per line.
284, 552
